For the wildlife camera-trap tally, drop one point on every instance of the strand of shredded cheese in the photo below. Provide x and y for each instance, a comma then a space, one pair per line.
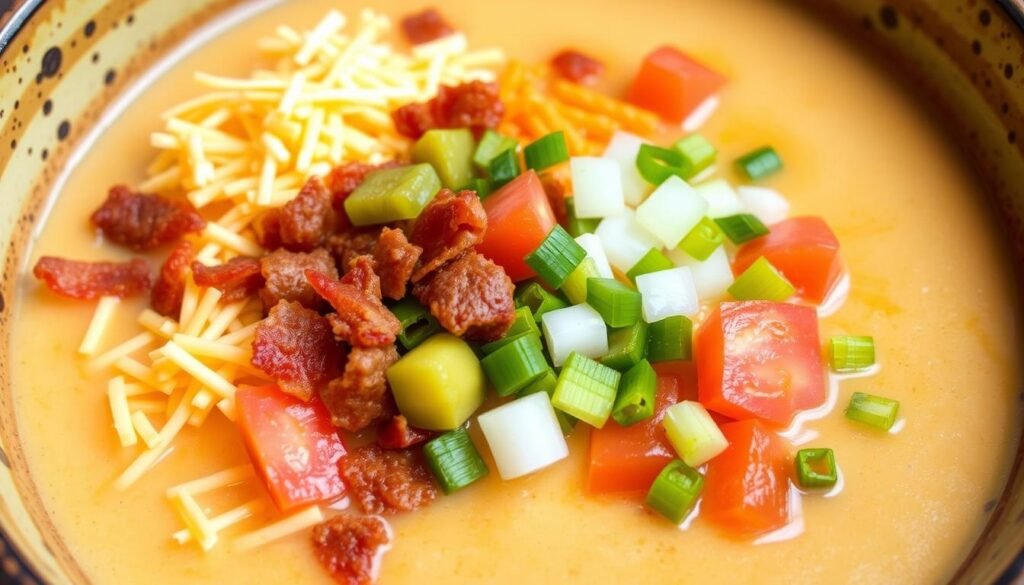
98, 325
302, 520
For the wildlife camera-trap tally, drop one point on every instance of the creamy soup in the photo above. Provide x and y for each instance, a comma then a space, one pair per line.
859, 152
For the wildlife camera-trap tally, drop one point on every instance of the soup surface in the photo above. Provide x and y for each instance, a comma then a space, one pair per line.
859, 153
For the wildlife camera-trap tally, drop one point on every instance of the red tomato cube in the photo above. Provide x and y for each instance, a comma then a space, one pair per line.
804, 249
672, 84
519, 217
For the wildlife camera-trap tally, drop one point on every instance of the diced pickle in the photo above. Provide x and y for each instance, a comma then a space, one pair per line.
392, 194
451, 154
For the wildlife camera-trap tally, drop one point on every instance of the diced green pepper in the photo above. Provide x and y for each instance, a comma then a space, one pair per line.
392, 194
451, 154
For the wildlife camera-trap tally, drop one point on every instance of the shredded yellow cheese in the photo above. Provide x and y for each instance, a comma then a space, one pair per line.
307, 518
120, 412
98, 325
145, 429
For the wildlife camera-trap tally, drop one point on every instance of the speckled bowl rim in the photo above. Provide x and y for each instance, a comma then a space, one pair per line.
1013, 574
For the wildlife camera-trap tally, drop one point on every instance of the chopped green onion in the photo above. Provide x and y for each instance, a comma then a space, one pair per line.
675, 491
635, 400
653, 261
539, 300
816, 468
393, 194
503, 168
575, 225
556, 257
698, 153
491, 145
417, 323
524, 324
670, 339
657, 164
450, 152
759, 163
693, 433
454, 460
513, 366
873, 410
741, 228
481, 186
546, 151
618, 304
761, 282
575, 287
546, 383
627, 346
702, 240
586, 390
851, 353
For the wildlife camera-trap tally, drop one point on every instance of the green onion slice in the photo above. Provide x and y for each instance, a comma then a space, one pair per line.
741, 228
556, 257
575, 287
547, 151
618, 304
512, 367
635, 400
454, 460
523, 324
653, 261
491, 145
816, 468
702, 240
480, 185
626, 346
576, 226
417, 323
586, 390
759, 163
539, 300
657, 164
874, 411
698, 153
851, 353
675, 491
761, 282
503, 168
670, 339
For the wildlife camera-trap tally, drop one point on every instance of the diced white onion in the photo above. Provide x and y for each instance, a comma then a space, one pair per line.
712, 277
596, 187
624, 241
693, 433
623, 148
592, 244
578, 328
722, 199
524, 435
671, 211
766, 204
667, 293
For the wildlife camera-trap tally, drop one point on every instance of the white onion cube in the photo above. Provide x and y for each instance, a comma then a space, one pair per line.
623, 148
624, 240
712, 277
596, 187
667, 293
578, 328
766, 204
592, 244
671, 211
523, 435
721, 197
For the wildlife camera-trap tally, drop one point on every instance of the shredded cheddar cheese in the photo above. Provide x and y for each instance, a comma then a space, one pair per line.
307, 518
98, 325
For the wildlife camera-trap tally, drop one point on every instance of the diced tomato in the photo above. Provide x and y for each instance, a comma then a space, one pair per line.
292, 444
804, 249
423, 27
746, 487
519, 217
627, 459
577, 67
757, 359
672, 84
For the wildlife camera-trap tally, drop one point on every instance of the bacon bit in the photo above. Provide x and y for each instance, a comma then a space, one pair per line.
86, 281
361, 319
169, 289
387, 482
556, 185
449, 225
348, 245
346, 178
577, 67
308, 220
237, 278
348, 545
360, 396
285, 275
295, 347
397, 434
394, 259
425, 26
475, 105
470, 297
143, 222
361, 275
267, 227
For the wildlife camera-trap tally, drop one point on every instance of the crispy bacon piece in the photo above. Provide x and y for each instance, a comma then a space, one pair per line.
387, 482
359, 397
169, 288
394, 260
294, 346
142, 222
361, 275
361, 319
347, 245
237, 278
308, 220
449, 225
426, 26
471, 297
86, 281
285, 276
344, 179
475, 105
348, 546
577, 67
267, 227
396, 433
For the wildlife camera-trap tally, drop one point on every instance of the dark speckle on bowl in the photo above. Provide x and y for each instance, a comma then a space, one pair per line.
976, 47
110, 76
1008, 71
889, 17
984, 17
51, 61
63, 130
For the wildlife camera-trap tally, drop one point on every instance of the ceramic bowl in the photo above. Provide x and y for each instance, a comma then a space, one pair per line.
61, 63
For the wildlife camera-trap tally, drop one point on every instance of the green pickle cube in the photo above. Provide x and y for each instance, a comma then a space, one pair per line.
392, 195
451, 154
